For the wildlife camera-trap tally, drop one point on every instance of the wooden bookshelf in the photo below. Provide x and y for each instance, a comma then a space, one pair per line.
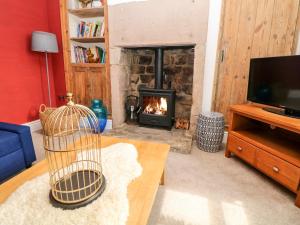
86, 81
88, 39
87, 13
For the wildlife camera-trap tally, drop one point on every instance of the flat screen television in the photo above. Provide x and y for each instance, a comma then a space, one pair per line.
275, 81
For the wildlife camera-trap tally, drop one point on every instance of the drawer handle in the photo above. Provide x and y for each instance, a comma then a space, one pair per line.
275, 169
239, 148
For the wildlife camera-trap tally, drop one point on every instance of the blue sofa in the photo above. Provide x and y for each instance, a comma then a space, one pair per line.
16, 149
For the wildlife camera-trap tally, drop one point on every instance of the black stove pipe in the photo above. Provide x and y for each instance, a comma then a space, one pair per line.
159, 68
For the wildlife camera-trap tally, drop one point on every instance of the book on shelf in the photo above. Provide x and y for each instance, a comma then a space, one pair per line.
83, 55
88, 29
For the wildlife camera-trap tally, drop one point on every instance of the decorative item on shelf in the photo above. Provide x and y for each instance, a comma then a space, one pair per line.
90, 57
210, 131
73, 151
85, 3
182, 123
132, 108
101, 113
94, 54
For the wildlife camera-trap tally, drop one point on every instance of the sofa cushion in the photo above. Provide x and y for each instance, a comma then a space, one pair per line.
11, 164
9, 142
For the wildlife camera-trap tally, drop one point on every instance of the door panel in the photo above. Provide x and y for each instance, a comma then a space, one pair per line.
226, 67
78, 84
263, 25
87, 84
251, 28
95, 84
243, 50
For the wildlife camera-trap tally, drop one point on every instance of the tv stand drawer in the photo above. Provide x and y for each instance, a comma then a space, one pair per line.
280, 170
241, 148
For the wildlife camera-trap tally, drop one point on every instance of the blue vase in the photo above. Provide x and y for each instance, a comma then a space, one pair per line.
101, 113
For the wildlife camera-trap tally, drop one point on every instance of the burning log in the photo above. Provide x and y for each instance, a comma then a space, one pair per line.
156, 106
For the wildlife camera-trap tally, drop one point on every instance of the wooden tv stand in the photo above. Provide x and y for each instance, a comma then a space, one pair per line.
267, 141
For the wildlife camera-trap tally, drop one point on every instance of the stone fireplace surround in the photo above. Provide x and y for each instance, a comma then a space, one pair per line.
135, 66
136, 69
181, 59
178, 74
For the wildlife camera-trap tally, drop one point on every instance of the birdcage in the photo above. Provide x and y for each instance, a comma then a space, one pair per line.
73, 151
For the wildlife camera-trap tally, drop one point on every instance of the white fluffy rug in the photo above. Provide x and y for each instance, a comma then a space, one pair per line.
29, 205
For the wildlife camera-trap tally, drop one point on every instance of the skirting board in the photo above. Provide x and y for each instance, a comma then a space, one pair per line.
36, 125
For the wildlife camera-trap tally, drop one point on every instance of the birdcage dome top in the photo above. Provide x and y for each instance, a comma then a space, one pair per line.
70, 118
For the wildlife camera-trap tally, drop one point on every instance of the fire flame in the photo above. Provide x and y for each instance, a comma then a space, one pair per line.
157, 106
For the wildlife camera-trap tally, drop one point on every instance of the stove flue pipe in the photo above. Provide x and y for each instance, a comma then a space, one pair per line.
159, 68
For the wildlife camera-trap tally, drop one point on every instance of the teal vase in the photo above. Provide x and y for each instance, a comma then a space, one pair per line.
101, 113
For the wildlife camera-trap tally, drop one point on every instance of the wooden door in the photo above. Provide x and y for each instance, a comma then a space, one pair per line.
87, 84
251, 28
95, 84
78, 87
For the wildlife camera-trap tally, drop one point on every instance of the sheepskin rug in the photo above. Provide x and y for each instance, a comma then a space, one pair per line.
30, 205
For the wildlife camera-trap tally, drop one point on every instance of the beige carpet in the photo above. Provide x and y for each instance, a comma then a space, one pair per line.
208, 189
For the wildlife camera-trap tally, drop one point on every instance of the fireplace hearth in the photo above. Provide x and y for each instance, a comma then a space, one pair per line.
157, 104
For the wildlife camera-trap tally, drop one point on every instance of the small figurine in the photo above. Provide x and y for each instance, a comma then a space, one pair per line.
84, 3
90, 57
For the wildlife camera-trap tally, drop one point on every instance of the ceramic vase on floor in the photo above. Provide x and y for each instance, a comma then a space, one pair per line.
210, 131
101, 112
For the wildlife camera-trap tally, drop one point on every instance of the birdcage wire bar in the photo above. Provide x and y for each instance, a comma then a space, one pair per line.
73, 151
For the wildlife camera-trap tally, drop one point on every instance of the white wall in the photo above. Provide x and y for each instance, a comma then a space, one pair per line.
215, 8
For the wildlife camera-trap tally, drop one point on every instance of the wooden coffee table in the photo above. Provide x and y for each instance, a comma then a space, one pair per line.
141, 192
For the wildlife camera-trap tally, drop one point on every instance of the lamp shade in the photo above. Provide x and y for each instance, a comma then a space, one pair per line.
44, 42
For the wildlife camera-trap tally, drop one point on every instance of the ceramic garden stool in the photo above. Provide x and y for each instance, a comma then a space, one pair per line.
210, 131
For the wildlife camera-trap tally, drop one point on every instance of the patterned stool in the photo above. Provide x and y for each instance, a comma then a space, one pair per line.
210, 131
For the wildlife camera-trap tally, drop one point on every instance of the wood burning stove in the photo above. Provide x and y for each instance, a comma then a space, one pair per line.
157, 107
157, 104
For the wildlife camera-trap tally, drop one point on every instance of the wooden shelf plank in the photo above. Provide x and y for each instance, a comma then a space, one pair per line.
88, 39
276, 145
88, 64
257, 113
88, 12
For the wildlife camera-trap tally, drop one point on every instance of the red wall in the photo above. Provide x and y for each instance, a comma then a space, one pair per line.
23, 85
57, 59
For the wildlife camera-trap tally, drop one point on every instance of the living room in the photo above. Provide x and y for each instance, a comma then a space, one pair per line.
196, 100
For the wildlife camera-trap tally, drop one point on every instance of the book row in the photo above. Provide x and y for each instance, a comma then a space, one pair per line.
89, 55
89, 29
